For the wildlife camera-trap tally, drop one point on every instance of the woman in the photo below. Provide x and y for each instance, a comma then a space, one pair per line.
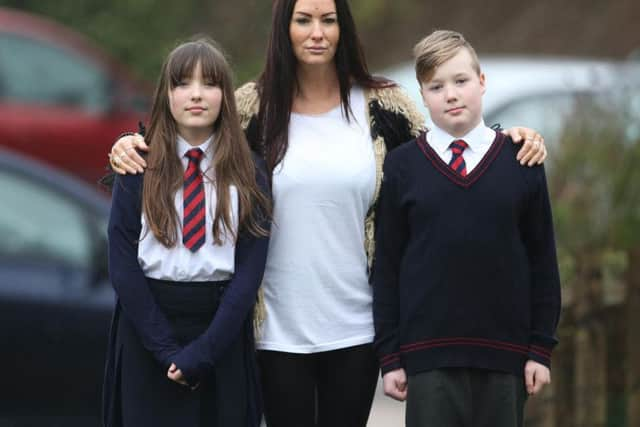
324, 125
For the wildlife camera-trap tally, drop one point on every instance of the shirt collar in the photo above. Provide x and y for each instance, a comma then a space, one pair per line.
183, 146
477, 138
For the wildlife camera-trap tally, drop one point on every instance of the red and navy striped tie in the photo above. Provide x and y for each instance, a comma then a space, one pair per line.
457, 161
193, 219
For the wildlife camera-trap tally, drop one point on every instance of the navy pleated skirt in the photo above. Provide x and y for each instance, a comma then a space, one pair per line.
137, 392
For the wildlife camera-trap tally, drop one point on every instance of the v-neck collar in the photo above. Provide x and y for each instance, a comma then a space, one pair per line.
463, 181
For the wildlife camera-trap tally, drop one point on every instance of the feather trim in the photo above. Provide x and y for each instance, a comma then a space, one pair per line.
396, 100
247, 103
392, 115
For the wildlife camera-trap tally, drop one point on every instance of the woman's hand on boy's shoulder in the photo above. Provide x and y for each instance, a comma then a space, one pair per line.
533, 151
395, 384
536, 376
124, 157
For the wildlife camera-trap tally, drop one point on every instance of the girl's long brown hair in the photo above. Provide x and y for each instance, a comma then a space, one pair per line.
232, 160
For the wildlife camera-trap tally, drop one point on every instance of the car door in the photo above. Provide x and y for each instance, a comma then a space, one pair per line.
60, 105
55, 302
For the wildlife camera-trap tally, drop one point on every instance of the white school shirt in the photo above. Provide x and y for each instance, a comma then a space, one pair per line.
210, 262
316, 287
479, 139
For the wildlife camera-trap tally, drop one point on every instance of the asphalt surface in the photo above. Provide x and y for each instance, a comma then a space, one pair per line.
385, 412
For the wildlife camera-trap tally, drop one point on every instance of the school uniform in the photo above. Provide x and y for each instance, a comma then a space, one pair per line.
466, 282
188, 307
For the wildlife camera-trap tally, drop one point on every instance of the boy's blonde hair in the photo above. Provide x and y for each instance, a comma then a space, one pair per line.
436, 49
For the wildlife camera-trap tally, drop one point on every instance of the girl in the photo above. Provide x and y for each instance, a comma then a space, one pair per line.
187, 250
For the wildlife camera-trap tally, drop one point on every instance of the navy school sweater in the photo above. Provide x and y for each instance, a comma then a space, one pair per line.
465, 269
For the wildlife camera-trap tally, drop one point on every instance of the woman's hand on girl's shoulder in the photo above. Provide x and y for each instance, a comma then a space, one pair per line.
533, 151
124, 157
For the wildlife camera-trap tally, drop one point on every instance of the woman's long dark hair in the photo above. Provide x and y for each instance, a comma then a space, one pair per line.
277, 83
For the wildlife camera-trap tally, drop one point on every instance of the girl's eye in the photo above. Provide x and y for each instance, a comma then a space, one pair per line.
210, 83
182, 83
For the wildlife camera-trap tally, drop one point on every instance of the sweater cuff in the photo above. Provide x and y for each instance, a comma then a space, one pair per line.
540, 348
390, 362
166, 359
193, 370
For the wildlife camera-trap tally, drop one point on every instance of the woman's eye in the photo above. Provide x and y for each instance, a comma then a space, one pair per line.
302, 21
330, 20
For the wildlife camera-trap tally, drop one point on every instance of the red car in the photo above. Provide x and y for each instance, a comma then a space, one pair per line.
63, 100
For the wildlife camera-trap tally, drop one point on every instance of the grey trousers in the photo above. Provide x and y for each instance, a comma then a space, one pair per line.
465, 397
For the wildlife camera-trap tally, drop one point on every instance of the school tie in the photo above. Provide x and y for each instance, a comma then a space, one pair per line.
457, 161
193, 219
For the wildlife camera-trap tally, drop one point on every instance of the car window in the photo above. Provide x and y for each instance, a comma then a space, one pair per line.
551, 114
547, 114
40, 223
34, 72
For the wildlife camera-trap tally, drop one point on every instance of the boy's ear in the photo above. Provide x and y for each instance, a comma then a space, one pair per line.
483, 82
421, 87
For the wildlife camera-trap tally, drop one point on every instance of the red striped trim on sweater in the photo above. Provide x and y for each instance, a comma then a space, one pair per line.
470, 178
389, 359
389, 362
389, 356
542, 350
479, 342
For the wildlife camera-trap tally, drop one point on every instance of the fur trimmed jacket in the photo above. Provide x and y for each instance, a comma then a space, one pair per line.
393, 119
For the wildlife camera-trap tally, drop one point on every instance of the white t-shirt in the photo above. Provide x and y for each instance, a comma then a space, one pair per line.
317, 294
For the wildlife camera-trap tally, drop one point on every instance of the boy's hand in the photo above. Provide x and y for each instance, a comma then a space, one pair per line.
536, 376
123, 156
395, 384
533, 150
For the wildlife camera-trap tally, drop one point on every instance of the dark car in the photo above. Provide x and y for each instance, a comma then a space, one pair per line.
55, 298
62, 99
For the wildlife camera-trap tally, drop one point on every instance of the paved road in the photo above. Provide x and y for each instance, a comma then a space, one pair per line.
386, 412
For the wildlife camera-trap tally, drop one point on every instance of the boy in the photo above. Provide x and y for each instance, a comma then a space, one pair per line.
466, 284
